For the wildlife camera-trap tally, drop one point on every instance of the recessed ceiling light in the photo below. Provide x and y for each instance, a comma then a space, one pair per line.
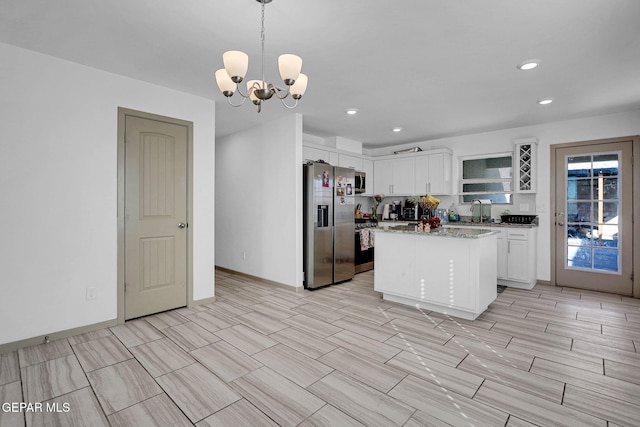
545, 101
351, 111
397, 129
529, 64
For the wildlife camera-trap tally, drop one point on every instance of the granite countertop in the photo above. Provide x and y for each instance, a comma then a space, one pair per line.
489, 224
457, 232
459, 224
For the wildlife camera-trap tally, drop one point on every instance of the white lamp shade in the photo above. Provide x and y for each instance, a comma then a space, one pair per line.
250, 84
225, 84
290, 66
236, 63
300, 86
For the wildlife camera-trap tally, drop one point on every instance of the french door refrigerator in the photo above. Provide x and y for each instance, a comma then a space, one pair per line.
329, 202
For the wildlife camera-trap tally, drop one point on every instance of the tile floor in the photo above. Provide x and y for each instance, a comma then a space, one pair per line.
340, 356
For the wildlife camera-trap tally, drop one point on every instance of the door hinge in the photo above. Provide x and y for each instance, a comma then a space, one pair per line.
125, 286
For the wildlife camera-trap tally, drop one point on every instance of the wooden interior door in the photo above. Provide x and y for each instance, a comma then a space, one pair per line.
594, 216
155, 223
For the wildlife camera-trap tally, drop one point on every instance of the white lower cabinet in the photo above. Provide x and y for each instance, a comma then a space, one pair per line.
516, 256
502, 255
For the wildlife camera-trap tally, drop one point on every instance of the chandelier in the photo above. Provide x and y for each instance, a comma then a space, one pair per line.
235, 68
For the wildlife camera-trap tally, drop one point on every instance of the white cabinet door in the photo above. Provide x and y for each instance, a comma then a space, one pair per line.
433, 174
346, 161
502, 253
403, 176
367, 168
517, 260
313, 154
394, 272
383, 176
421, 182
439, 167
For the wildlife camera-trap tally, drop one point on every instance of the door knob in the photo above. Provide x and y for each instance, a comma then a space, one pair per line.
181, 225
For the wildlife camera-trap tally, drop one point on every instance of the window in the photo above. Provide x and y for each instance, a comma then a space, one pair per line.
487, 178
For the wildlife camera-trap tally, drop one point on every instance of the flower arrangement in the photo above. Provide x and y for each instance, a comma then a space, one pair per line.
377, 198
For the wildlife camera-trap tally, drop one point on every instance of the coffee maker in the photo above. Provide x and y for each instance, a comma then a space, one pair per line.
395, 210
409, 212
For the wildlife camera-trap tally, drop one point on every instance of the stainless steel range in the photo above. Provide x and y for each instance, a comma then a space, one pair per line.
364, 243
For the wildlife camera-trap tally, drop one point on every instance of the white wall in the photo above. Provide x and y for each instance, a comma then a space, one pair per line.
58, 178
259, 201
599, 127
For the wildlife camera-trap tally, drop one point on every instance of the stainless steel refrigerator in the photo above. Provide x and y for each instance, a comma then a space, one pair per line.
329, 202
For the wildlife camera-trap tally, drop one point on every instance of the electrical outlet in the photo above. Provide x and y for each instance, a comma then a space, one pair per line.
91, 293
524, 207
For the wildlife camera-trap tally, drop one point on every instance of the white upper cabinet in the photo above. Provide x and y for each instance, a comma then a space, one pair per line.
394, 176
382, 176
525, 165
433, 174
367, 168
403, 176
346, 161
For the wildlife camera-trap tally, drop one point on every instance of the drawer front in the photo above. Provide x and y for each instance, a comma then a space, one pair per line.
517, 234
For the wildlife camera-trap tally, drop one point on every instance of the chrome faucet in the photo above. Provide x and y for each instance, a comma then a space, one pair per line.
473, 210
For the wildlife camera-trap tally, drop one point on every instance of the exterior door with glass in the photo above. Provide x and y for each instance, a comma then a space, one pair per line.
593, 216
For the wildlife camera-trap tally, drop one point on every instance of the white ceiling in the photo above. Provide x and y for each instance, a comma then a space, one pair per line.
437, 68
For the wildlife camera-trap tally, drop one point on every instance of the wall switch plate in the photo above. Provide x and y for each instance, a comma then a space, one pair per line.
524, 207
91, 293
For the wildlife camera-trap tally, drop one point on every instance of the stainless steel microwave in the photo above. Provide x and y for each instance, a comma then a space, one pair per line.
360, 181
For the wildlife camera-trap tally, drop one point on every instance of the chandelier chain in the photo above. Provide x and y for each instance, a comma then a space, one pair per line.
262, 83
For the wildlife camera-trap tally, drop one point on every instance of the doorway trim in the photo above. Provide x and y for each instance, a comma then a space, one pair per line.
636, 202
122, 114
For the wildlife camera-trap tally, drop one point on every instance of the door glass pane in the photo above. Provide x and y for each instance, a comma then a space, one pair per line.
579, 211
579, 189
610, 188
579, 235
592, 212
578, 257
605, 259
607, 164
579, 167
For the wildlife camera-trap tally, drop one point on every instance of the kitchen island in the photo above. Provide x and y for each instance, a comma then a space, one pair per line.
448, 270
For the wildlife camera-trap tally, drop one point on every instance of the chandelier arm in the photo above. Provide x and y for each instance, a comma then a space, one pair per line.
279, 92
240, 92
244, 98
291, 107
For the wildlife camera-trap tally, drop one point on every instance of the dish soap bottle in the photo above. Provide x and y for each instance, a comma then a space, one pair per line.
452, 212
